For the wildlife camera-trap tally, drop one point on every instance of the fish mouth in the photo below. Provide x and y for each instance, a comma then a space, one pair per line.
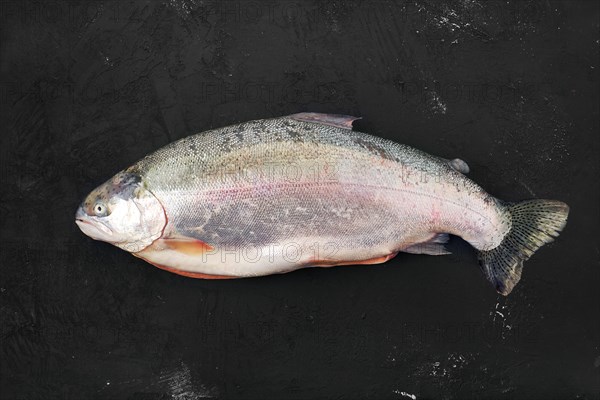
80, 215
92, 228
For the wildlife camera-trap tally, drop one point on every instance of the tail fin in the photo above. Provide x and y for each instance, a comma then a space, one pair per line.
534, 223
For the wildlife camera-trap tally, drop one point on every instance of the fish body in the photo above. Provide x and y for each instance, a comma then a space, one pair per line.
275, 195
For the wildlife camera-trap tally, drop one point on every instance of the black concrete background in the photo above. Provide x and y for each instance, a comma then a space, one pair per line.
87, 88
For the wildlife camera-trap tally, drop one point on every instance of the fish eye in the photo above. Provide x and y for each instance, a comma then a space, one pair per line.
100, 209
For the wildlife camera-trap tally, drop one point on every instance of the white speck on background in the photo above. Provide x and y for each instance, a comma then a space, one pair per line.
181, 7
180, 384
437, 105
404, 394
501, 316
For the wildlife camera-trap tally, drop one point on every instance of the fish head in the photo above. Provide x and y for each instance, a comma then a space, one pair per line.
123, 212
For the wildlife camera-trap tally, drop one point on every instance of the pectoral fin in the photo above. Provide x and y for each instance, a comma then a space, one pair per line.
189, 246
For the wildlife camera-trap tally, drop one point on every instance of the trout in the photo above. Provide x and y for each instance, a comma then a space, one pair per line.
306, 190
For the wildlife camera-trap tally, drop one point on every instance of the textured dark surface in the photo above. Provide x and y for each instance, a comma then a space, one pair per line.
89, 88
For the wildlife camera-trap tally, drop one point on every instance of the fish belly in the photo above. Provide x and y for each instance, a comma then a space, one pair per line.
254, 232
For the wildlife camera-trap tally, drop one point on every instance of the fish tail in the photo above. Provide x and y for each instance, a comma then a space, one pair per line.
534, 223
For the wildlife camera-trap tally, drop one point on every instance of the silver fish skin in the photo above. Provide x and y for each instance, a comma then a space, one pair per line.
274, 195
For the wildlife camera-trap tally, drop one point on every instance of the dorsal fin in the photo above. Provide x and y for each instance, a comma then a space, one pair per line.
337, 120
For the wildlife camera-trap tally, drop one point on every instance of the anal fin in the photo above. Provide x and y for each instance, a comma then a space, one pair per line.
434, 246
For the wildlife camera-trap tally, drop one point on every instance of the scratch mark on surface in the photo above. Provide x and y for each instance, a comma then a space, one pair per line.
528, 188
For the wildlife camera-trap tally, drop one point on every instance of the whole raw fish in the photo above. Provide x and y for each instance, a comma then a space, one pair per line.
274, 195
